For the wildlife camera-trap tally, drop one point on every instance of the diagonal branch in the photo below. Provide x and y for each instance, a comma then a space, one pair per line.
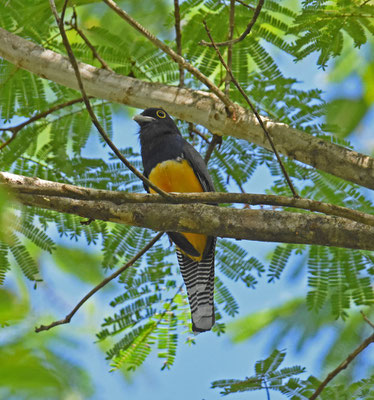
60, 23
242, 92
245, 4
68, 318
247, 31
342, 366
367, 320
195, 106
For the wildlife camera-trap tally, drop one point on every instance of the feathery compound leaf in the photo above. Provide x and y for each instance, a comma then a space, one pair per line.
267, 377
234, 263
4, 262
340, 273
123, 241
318, 266
271, 363
37, 236
139, 346
223, 296
23, 258
167, 339
279, 261
319, 28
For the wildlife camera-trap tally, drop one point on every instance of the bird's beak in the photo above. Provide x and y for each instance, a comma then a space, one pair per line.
139, 118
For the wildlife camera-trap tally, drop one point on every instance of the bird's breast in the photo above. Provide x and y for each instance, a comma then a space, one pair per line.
175, 176
178, 176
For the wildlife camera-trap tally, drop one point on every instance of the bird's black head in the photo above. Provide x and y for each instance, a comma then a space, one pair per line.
160, 138
154, 117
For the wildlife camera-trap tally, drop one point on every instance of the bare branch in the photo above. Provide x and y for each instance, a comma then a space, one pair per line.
192, 106
247, 31
175, 57
236, 83
342, 366
60, 23
68, 318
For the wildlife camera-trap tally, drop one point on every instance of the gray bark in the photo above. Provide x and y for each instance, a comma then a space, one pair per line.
261, 225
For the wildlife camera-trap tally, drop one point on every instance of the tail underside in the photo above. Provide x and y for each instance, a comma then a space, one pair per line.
199, 279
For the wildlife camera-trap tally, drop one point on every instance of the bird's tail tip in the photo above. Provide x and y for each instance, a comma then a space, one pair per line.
203, 323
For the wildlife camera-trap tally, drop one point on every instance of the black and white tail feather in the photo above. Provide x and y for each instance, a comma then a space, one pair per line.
199, 279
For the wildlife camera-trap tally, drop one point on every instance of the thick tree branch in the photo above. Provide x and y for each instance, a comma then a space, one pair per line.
35, 186
190, 105
262, 225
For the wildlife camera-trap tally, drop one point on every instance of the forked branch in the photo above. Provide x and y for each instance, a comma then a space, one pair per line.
247, 31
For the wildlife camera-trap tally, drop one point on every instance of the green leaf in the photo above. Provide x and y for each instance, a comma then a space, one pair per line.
84, 265
347, 114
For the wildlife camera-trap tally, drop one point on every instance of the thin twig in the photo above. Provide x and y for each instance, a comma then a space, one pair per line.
175, 57
68, 318
216, 139
17, 128
245, 4
178, 33
74, 24
247, 31
60, 22
367, 320
193, 129
259, 119
342, 366
267, 389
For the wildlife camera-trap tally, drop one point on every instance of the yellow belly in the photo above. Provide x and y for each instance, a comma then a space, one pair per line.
178, 176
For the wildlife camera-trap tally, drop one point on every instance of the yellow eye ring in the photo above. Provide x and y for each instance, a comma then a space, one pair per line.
160, 114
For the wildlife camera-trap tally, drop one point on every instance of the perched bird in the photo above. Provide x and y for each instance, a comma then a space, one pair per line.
173, 165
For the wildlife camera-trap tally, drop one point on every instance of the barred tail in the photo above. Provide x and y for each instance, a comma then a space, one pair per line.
199, 280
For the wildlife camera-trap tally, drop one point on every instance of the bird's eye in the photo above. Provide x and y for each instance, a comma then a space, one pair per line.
160, 114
